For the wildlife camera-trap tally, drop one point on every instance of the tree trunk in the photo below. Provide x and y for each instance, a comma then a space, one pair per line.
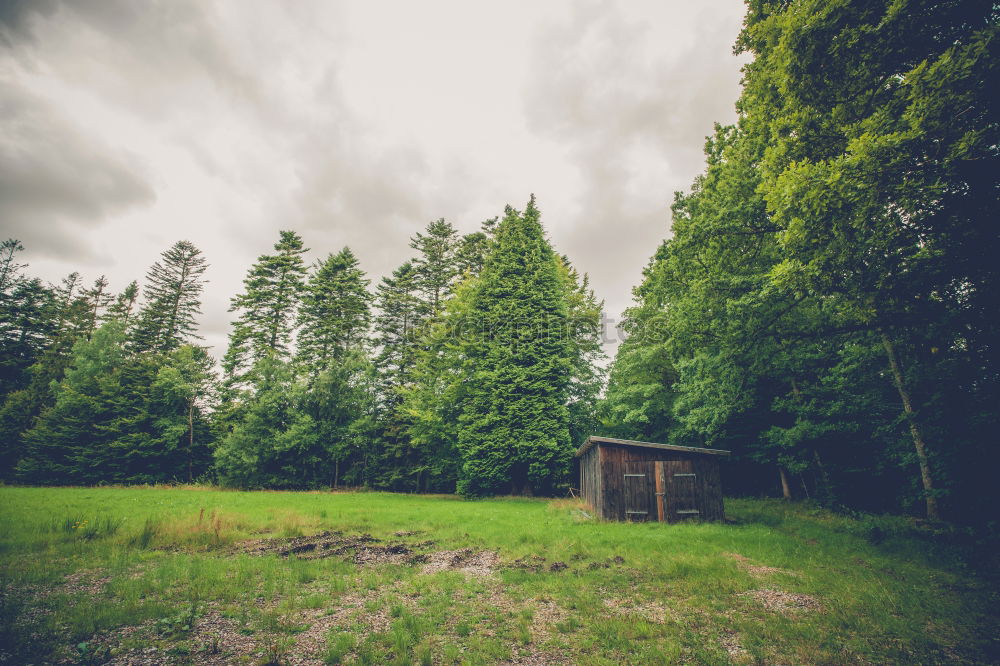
918, 438
786, 490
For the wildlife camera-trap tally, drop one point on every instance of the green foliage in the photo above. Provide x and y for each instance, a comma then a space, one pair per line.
272, 291
823, 300
296, 434
334, 316
115, 417
514, 428
173, 298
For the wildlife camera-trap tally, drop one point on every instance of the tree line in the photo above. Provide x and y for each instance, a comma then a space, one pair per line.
827, 306
472, 367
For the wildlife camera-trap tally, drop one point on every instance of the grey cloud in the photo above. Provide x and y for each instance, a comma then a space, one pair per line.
625, 116
54, 177
16, 17
245, 127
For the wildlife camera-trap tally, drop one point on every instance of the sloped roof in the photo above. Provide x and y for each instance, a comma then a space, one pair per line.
594, 439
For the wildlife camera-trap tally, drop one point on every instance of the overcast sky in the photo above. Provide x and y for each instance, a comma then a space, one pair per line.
126, 126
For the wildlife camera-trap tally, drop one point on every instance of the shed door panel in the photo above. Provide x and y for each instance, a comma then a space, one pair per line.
683, 491
639, 487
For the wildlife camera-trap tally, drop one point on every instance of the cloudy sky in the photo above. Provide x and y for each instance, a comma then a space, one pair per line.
127, 126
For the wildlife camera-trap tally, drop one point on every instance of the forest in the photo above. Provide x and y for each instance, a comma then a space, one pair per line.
825, 305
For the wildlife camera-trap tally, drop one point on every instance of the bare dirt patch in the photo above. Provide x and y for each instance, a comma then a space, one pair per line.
84, 582
359, 548
731, 644
747, 565
651, 611
472, 563
782, 602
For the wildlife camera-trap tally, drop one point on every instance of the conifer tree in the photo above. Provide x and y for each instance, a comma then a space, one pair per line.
435, 264
173, 298
124, 304
514, 433
334, 316
99, 299
27, 319
396, 330
273, 289
470, 255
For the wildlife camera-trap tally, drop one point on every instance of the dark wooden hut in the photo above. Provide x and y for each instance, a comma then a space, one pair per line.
627, 480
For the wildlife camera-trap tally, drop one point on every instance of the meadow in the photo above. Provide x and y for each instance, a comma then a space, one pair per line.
199, 575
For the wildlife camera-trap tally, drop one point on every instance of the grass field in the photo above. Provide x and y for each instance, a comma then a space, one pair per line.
191, 575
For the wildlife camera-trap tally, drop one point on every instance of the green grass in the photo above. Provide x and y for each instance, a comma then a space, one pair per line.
89, 573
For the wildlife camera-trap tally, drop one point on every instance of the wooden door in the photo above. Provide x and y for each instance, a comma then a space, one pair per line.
638, 487
682, 490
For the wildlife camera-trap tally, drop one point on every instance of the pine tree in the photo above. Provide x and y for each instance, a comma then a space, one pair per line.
514, 433
173, 298
435, 264
273, 289
124, 304
397, 330
470, 255
334, 316
99, 299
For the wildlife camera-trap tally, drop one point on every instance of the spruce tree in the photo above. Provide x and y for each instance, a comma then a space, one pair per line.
435, 263
334, 316
396, 330
273, 289
173, 298
514, 431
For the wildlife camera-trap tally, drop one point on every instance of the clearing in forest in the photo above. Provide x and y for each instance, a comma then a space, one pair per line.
194, 575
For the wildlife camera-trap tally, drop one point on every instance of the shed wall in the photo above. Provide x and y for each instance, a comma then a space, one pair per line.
612, 460
590, 479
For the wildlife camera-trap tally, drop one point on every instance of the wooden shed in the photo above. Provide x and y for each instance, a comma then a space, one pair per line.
627, 480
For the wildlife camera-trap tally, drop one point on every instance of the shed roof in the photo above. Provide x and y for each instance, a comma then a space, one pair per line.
594, 439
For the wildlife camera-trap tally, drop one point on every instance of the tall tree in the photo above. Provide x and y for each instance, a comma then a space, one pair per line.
514, 431
173, 298
397, 330
435, 265
27, 319
273, 289
334, 316
879, 184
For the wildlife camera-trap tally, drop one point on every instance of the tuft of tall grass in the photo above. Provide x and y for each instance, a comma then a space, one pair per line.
85, 529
